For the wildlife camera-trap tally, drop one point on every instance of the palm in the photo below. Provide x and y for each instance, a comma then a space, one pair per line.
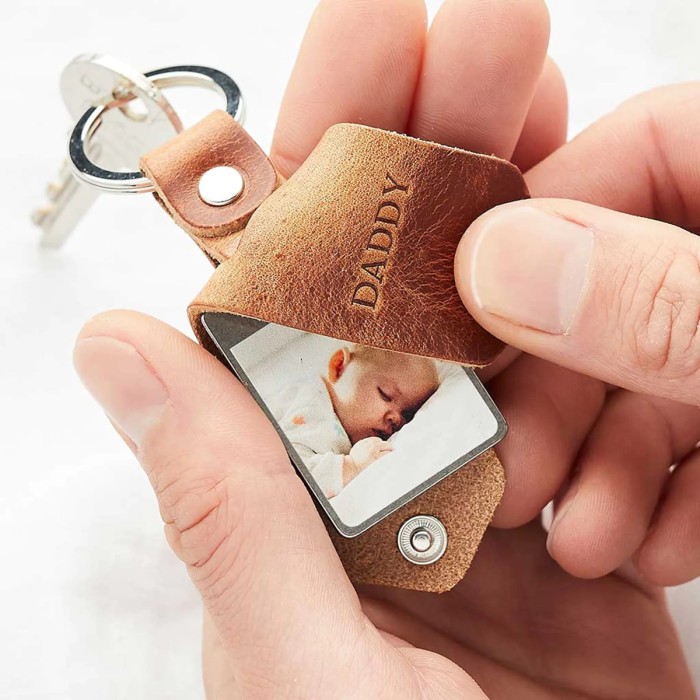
523, 628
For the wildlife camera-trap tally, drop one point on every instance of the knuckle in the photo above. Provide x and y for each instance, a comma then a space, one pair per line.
663, 293
652, 115
201, 518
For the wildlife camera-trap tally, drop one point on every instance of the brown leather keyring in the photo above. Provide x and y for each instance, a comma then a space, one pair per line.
357, 245
177, 167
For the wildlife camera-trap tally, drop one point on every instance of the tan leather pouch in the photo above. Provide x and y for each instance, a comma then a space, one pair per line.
358, 245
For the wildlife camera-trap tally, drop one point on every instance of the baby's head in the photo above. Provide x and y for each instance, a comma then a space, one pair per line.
376, 392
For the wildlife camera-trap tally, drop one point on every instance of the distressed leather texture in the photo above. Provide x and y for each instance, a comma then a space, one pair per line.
465, 502
176, 167
359, 245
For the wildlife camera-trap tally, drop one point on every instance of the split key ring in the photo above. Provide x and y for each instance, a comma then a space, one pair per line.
136, 182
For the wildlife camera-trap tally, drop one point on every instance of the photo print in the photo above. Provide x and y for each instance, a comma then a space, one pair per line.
368, 429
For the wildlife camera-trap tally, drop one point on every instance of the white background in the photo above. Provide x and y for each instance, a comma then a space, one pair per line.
93, 605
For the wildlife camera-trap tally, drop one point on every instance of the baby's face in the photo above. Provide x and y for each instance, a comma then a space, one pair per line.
375, 393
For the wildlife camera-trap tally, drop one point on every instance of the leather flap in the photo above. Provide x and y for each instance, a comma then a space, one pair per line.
176, 167
464, 502
359, 245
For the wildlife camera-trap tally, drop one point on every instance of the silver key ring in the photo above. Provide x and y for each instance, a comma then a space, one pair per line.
136, 182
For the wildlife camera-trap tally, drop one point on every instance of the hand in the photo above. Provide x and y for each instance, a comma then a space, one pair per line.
366, 451
282, 619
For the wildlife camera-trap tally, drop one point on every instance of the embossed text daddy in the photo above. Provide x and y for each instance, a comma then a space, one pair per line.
380, 245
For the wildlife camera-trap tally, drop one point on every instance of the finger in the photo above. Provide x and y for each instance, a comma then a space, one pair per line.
549, 411
603, 518
234, 510
671, 553
482, 62
218, 676
359, 62
680, 422
610, 295
544, 131
545, 127
642, 159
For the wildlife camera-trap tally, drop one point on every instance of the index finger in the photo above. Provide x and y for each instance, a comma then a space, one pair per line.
359, 62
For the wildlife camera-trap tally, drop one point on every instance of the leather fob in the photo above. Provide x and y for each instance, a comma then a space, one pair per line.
359, 245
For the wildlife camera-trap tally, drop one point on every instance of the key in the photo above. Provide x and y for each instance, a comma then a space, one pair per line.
142, 120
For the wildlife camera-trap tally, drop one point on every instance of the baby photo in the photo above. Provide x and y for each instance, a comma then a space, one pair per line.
367, 428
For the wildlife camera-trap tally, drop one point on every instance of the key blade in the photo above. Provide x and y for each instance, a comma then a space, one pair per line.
68, 201
57, 220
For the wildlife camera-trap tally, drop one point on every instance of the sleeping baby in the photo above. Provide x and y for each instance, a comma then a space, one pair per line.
340, 421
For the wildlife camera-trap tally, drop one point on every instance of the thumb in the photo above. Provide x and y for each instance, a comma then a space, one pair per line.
610, 295
234, 510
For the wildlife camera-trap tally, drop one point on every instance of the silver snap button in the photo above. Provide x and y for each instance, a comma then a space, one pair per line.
220, 186
422, 539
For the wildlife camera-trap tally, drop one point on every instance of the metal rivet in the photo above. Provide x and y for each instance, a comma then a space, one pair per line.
220, 185
422, 539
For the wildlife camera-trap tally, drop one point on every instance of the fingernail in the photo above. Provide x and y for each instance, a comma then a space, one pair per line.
529, 266
564, 508
121, 381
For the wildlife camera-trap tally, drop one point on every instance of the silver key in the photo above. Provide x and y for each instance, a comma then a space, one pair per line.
124, 134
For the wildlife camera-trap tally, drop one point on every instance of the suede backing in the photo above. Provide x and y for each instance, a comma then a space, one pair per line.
464, 502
